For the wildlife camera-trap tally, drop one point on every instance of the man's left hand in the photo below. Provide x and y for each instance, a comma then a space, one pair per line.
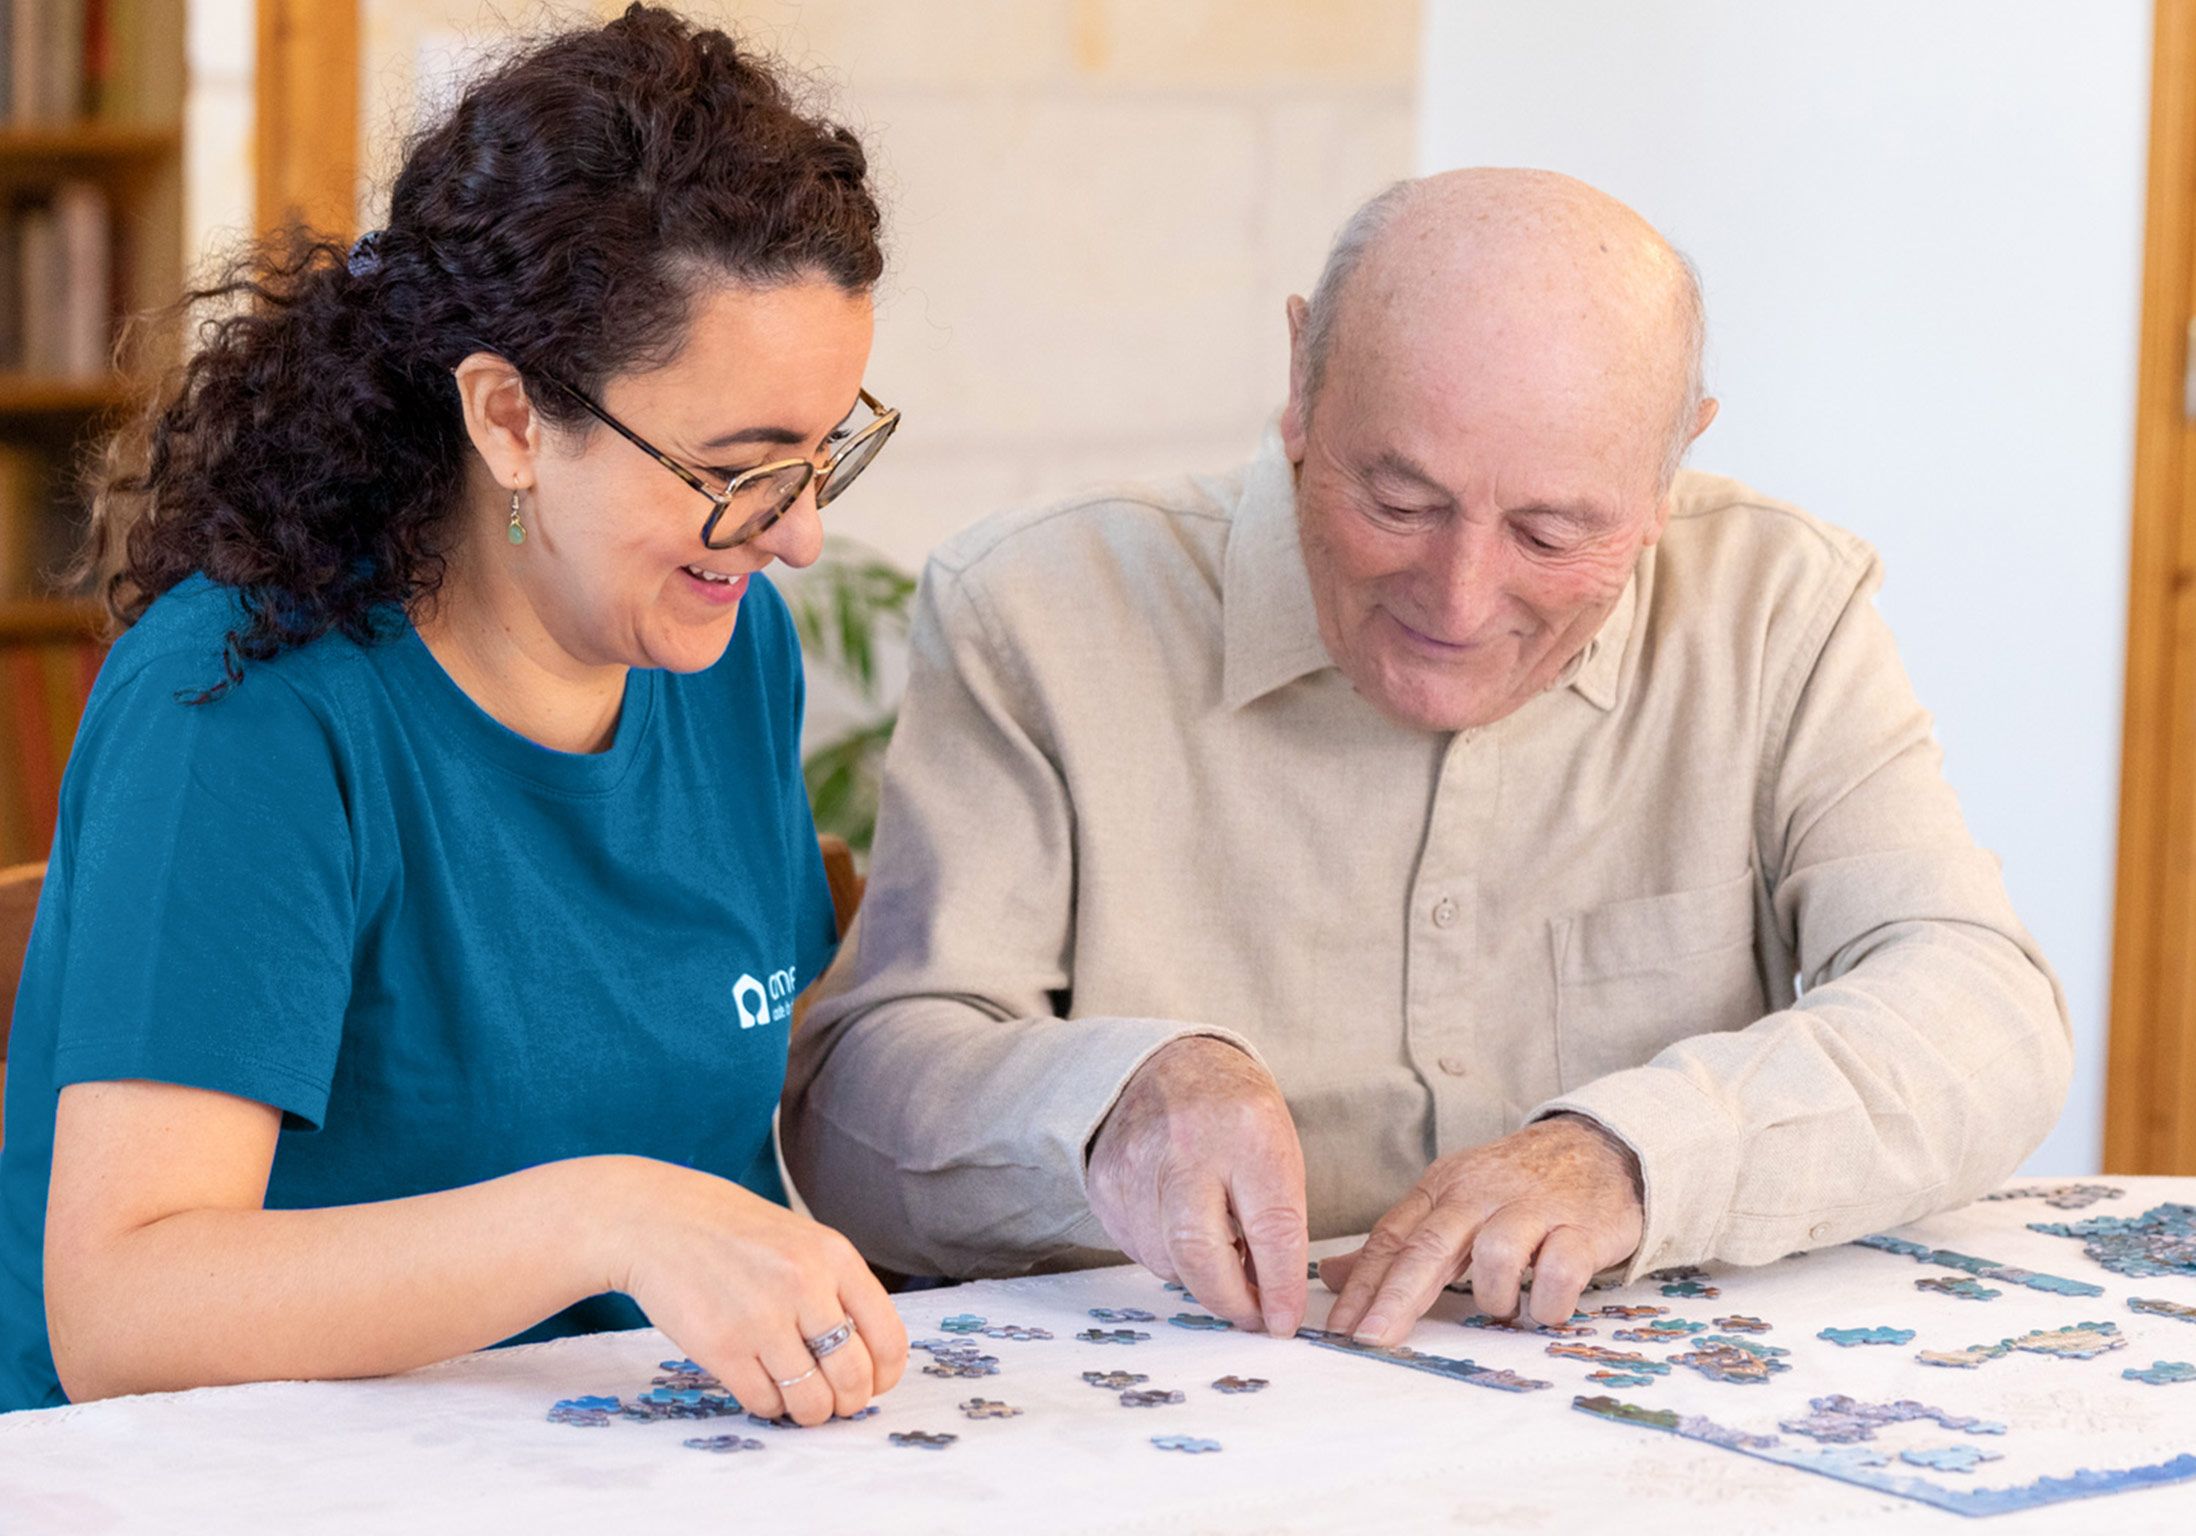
1560, 1197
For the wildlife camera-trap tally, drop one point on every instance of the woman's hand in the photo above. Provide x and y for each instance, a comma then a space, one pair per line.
741, 1284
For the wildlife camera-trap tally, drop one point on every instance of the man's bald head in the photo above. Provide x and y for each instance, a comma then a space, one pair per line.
1532, 259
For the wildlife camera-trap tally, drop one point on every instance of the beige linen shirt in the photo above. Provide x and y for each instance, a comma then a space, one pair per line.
1710, 889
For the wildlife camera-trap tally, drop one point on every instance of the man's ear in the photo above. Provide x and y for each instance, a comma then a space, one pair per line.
500, 420
1705, 415
1297, 413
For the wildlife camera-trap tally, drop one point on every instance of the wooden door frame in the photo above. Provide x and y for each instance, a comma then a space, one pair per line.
305, 120
2150, 1098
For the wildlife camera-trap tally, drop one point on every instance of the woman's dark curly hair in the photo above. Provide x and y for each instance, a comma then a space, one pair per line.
311, 451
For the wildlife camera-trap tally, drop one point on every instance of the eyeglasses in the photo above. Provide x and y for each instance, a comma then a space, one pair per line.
752, 501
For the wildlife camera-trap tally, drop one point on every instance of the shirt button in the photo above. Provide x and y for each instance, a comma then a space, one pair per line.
1444, 913
1819, 1229
1455, 1066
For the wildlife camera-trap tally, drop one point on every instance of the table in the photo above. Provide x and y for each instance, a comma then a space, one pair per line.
1335, 1443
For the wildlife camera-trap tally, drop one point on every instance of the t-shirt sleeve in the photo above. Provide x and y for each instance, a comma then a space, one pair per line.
207, 914
815, 922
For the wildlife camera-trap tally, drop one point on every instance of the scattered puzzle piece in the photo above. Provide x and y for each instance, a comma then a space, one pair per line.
1986, 1269
1599, 1354
963, 1322
2080, 1341
585, 1412
1692, 1289
922, 1439
2161, 1241
1235, 1384
1962, 1359
1628, 1314
1740, 1323
988, 1408
1733, 1360
1609, 1378
1112, 1336
2164, 1373
1841, 1420
1185, 1443
1114, 1381
1016, 1333
1202, 1321
1846, 1338
1123, 1315
2063, 1197
1150, 1397
1577, 1327
1469, 1371
2172, 1309
722, 1443
1949, 1458
1665, 1330
1965, 1287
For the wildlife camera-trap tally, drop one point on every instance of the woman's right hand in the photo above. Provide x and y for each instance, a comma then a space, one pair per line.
741, 1284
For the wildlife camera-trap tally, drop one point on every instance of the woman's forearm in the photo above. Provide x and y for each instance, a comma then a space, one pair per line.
212, 1296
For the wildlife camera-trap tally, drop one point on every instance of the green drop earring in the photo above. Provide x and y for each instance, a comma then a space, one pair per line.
518, 529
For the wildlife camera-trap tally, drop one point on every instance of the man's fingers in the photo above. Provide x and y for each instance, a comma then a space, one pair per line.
1561, 1271
1427, 1260
1268, 1197
1334, 1270
1500, 1251
1370, 1263
1201, 1247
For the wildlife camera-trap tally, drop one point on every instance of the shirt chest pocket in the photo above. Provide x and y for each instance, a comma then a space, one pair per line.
1635, 976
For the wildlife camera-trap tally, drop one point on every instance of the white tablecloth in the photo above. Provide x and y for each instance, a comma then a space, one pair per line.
1335, 1444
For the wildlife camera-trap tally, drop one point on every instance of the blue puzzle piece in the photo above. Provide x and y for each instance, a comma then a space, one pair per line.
963, 1322
1846, 1338
1965, 1287
1985, 1269
1200, 1321
1949, 1458
2164, 1374
1691, 1288
1123, 1315
2161, 1241
1189, 1444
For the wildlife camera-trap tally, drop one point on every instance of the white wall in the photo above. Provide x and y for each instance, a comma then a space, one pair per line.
1920, 227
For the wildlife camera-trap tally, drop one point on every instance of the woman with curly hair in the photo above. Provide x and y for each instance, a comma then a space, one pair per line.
434, 875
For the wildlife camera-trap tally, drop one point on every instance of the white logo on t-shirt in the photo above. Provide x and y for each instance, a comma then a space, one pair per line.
757, 1004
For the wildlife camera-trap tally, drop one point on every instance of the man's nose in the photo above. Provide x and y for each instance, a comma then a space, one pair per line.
1466, 570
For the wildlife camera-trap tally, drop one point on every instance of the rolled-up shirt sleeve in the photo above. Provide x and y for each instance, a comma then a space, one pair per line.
1928, 1049
941, 1095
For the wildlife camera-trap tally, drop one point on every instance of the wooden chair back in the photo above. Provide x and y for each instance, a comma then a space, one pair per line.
19, 887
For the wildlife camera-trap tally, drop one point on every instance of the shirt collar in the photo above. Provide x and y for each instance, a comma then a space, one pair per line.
1271, 628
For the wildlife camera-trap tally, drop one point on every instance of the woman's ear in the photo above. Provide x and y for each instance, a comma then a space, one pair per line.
500, 420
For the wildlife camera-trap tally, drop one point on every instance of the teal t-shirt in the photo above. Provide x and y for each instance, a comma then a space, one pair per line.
443, 952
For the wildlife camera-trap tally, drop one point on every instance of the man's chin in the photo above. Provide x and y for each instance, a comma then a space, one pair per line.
1437, 704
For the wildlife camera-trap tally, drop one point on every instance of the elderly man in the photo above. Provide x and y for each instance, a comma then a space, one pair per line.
1458, 823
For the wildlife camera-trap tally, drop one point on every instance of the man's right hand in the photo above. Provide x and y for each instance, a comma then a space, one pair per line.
1198, 1176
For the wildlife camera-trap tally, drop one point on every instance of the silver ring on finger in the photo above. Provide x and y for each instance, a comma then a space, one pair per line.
831, 1338
794, 1381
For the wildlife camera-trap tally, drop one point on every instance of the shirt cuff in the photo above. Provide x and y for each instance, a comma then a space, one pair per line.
1688, 1151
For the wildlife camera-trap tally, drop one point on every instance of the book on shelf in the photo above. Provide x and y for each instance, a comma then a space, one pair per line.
66, 61
57, 283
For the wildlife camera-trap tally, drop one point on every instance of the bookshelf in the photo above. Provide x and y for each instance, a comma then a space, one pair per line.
91, 229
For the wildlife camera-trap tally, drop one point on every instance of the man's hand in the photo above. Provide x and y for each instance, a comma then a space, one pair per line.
1197, 1175
1561, 1196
